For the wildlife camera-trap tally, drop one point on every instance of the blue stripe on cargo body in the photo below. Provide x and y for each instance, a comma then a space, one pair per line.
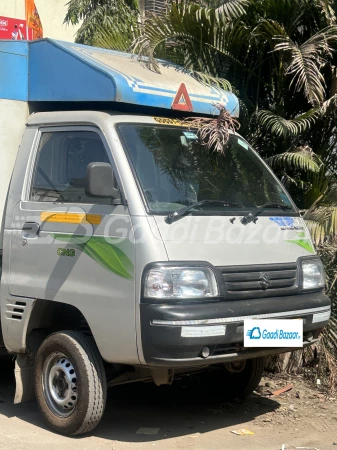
14, 70
159, 101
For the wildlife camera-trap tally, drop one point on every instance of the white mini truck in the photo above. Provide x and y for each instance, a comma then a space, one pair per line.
130, 251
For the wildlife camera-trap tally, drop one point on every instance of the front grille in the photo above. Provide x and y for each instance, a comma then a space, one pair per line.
223, 349
245, 282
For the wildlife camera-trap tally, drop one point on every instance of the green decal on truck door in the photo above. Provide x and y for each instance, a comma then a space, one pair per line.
304, 243
66, 252
105, 253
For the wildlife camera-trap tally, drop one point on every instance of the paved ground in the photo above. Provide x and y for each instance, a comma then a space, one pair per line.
181, 416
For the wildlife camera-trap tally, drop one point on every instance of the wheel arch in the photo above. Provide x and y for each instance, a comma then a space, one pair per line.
48, 317
44, 318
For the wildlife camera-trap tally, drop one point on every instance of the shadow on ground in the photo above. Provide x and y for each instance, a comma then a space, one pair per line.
183, 409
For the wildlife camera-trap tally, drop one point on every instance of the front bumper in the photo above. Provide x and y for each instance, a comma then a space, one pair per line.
161, 326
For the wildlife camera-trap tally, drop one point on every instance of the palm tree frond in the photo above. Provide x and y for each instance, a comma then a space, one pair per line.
282, 127
117, 35
322, 223
233, 9
207, 80
302, 158
205, 36
214, 132
327, 11
306, 61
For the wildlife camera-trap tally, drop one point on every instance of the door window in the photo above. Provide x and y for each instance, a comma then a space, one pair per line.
62, 161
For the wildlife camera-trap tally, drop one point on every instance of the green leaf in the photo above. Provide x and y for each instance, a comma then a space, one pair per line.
107, 254
304, 243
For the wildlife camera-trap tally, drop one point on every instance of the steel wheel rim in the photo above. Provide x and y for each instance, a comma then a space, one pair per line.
59, 383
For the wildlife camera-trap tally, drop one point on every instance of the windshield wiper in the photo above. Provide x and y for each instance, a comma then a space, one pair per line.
253, 217
176, 215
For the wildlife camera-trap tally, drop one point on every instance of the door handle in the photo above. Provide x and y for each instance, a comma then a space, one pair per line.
30, 230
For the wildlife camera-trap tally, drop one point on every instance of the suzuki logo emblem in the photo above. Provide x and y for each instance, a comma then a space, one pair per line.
264, 281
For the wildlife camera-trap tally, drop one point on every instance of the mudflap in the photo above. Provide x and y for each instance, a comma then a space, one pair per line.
24, 377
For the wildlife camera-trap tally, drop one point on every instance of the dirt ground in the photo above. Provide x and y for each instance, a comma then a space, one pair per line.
143, 416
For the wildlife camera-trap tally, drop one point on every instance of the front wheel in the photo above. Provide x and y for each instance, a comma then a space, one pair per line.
70, 382
236, 380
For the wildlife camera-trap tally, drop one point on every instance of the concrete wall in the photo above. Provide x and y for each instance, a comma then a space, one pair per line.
12, 8
52, 13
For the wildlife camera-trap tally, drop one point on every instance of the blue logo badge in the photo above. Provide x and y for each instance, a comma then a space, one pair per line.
254, 333
283, 221
286, 223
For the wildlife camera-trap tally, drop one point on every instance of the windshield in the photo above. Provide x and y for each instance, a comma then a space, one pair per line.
174, 170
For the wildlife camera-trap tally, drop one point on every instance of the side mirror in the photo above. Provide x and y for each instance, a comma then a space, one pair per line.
99, 181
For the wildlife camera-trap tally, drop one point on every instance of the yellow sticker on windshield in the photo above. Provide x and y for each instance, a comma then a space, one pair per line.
167, 121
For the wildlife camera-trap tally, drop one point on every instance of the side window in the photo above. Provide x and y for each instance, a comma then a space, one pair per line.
62, 160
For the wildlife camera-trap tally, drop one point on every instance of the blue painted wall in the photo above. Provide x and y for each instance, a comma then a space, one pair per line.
14, 70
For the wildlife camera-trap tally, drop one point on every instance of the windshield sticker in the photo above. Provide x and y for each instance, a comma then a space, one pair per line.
243, 144
166, 121
287, 223
190, 135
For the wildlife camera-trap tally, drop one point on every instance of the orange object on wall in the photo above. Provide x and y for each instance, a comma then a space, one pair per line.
33, 19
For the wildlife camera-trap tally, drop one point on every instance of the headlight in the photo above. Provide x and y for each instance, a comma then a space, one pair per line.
313, 275
180, 282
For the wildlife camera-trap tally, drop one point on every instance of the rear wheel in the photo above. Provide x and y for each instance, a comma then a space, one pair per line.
236, 380
70, 382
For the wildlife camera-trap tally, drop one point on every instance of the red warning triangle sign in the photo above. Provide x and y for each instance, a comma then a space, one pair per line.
182, 101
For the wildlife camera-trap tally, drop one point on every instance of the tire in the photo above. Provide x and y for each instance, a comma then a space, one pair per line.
231, 385
70, 383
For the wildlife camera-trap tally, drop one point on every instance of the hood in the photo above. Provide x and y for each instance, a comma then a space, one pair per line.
224, 240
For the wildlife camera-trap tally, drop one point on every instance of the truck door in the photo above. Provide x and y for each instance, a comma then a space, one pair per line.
72, 248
